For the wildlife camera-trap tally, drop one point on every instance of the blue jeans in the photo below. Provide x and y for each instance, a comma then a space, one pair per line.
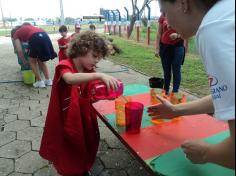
172, 57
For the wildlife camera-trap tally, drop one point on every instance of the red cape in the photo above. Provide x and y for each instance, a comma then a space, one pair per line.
70, 141
62, 51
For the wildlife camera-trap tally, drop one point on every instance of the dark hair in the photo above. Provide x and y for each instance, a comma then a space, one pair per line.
92, 27
206, 3
13, 31
63, 28
85, 42
26, 24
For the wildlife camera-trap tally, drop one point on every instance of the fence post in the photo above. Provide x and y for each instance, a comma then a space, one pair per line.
119, 22
138, 24
114, 22
105, 23
109, 22
127, 23
149, 25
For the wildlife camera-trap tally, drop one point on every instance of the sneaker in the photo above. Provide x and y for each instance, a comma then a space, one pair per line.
39, 84
48, 82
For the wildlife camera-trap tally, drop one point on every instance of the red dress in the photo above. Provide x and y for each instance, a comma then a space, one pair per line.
62, 52
71, 135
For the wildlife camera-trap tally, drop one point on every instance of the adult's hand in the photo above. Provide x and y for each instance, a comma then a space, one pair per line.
157, 53
165, 110
25, 62
196, 151
174, 36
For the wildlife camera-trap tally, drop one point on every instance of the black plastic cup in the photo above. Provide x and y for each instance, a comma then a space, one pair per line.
156, 82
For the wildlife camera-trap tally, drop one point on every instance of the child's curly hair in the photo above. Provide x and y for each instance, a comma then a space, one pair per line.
87, 41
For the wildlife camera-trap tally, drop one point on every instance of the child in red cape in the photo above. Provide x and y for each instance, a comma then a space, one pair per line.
63, 43
71, 135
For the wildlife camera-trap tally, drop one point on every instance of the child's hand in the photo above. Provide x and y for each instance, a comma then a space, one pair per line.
111, 82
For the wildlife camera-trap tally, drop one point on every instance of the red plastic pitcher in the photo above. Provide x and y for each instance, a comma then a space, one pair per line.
133, 115
99, 91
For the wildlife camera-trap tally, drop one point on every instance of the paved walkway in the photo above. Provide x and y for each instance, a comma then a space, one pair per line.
22, 116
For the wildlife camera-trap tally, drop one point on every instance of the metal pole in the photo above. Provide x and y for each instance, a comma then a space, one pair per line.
62, 13
127, 25
149, 25
109, 22
138, 24
3, 18
119, 22
105, 27
114, 21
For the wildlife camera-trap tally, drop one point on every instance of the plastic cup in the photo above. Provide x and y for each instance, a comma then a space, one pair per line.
120, 110
153, 98
133, 116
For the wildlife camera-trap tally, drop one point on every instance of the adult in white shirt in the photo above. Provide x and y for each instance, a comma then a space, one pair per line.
213, 22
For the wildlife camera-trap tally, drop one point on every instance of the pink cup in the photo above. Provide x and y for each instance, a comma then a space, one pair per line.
133, 116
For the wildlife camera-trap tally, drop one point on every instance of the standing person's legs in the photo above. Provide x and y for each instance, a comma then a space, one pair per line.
178, 56
44, 68
34, 67
165, 55
41, 47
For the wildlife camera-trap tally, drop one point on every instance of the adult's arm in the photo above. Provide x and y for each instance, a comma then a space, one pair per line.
224, 152
20, 50
168, 110
158, 39
201, 106
186, 44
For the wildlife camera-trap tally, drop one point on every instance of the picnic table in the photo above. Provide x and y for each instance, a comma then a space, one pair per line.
157, 147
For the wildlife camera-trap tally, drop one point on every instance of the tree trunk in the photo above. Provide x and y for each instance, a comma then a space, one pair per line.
134, 16
131, 27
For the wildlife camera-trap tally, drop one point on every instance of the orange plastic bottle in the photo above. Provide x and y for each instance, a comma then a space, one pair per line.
120, 110
155, 101
153, 97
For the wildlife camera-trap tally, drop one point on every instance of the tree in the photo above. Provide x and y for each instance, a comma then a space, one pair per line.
10, 19
69, 21
134, 16
29, 19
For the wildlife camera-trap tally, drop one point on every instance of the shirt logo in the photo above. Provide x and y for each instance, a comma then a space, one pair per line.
217, 88
213, 81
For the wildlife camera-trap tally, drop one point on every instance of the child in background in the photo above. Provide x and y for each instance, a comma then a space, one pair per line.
71, 135
63, 43
92, 27
77, 29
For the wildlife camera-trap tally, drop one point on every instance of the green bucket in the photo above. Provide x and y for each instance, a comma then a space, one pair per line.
28, 77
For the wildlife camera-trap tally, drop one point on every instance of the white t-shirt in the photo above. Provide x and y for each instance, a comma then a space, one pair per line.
216, 45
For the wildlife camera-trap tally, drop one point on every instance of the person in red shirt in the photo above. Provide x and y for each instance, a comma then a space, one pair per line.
40, 51
71, 135
63, 43
170, 47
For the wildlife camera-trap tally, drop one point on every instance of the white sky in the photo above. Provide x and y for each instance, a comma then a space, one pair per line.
72, 8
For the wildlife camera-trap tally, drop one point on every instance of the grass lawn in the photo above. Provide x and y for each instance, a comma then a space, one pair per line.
142, 58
